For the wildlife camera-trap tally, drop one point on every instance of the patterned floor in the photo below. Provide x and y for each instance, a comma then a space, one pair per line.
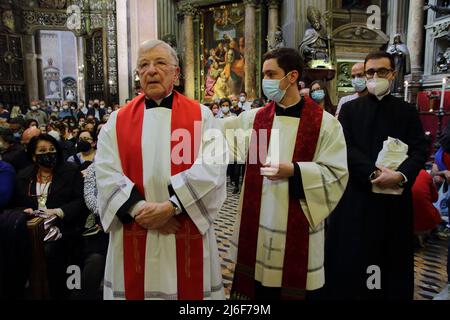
224, 229
430, 265
429, 262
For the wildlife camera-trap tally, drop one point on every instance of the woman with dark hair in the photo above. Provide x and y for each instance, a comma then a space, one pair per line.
86, 146
56, 189
319, 93
30, 123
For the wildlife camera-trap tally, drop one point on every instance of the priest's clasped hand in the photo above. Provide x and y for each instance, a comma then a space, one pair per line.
279, 171
155, 215
387, 179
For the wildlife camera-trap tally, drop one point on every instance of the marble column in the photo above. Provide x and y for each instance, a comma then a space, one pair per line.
31, 72
81, 80
415, 34
273, 20
124, 73
250, 48
39, 68
415, 45
397, 19
188, 11
167, 18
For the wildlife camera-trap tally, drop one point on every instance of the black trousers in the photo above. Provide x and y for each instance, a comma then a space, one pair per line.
271, 294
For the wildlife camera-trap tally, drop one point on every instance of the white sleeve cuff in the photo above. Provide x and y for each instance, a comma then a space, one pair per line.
136, 208
405, 179
174, 199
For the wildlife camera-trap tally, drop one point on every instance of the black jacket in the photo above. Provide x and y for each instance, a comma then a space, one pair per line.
15, 254
66, 192
101, 112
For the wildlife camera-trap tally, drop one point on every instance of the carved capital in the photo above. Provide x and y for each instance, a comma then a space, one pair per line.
187, 9
252, 3
273, 4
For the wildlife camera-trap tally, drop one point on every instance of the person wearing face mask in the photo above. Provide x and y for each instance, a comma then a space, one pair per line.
235, 108
358, 83
215, 109
243, 103
85, 146
319, 93
36, 114
65, 111
225, 108
82, 109
288, 193
56, 188
148, 188
376, 229
97, 111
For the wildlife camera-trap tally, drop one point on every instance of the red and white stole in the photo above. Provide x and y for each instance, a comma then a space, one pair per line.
295, 268
189, 242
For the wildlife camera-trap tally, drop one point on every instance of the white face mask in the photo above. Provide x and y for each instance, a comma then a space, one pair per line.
33, 108
65, 107
225, 110
272, 89
242, 99
379, 87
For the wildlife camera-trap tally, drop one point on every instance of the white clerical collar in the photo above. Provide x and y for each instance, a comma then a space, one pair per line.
286, 107
158, 102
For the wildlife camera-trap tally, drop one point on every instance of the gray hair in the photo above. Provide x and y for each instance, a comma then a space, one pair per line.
150, 44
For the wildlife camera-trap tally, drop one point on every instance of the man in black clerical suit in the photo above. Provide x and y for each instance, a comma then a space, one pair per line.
369, 245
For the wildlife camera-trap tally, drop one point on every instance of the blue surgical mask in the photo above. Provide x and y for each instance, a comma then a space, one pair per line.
318, 95
272, 89
359, 84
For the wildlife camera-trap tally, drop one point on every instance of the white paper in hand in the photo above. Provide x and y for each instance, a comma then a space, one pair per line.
393, 154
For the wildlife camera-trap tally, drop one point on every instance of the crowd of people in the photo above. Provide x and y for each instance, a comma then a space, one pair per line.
310, 224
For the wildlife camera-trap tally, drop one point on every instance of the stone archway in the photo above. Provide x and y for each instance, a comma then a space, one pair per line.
87, 20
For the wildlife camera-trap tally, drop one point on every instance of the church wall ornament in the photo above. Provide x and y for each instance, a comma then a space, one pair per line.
223, 49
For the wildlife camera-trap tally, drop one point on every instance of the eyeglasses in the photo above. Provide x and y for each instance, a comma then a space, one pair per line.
160, 65
382, 72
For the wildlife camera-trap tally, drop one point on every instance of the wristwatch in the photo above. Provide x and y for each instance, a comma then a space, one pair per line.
178, 210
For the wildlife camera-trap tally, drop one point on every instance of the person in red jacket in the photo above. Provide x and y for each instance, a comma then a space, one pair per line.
426, 216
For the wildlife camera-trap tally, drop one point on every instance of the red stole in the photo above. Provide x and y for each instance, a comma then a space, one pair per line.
295, 266
189, 242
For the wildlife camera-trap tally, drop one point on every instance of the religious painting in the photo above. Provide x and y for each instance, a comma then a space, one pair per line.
222, 48
344, 76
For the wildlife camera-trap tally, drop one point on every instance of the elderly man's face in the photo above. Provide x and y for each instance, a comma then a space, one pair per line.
157, 72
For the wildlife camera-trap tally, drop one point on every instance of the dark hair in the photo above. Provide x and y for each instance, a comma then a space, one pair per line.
329, 107
243, 92
224, 100
29, 122
380, 55
287, 58
211, 106
32, 145
7, 135
92, 134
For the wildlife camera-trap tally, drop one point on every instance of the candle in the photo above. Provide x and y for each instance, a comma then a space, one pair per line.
444, 86
406, 91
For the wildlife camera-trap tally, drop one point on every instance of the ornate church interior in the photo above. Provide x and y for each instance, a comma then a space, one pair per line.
61, 57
